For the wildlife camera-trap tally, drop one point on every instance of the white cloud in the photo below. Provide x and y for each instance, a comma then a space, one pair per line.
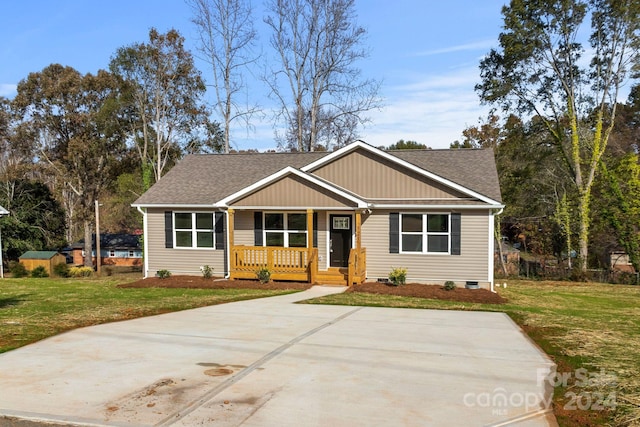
477, 45
7, 89
432, 110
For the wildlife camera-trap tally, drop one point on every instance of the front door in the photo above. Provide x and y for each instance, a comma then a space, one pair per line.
339, 240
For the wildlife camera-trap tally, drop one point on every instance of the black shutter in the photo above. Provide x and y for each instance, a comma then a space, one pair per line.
315, 229
455, 234
168, 229
221, 240
257, 228
394, 233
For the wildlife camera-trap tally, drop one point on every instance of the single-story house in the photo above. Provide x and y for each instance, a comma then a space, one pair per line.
328, 217
620, 261
47, 259
117, 249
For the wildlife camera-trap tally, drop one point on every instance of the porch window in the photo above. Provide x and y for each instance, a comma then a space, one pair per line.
285, 229
194, 230
425, 233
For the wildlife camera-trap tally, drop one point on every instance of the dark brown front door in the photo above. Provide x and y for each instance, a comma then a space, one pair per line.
339, 240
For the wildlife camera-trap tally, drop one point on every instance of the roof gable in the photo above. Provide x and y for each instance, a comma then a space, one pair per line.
422, 163
291, 187
3, 211
39, 255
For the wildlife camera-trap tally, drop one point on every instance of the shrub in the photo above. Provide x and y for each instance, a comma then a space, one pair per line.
398, 276
264, 275
163, 274
449, 285
207, 271
39, 271
61, 270
80, 271
18, 269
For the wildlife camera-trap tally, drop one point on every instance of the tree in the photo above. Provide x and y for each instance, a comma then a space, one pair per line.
35, 220
164, 89
77, 119
317, 83
407, 145
485, 135
226, 37
538, 70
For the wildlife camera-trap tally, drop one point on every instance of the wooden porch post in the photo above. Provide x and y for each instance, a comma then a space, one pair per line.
358, 231
309, 229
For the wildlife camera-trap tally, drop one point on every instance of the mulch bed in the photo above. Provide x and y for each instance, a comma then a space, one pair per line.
199, 282
482, 296
418, 290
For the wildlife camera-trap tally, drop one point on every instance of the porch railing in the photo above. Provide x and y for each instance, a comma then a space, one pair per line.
283, 263
357, 272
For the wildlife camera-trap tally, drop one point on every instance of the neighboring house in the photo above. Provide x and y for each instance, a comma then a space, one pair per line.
3, 212
47, 259
115, 249
620, 261
337, 217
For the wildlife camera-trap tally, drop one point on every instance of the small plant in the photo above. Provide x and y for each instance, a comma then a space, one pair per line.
164, 274
207, 271
61, 270
264, 275
18, 269
449, 285
398, 276
80, 272
39, 271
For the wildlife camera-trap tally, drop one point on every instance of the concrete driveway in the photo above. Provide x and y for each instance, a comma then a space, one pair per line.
270, 362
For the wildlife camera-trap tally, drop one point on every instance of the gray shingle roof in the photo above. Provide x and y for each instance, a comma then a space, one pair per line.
206, 179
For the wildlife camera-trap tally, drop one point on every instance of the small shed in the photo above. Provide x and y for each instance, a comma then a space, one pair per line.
47, 259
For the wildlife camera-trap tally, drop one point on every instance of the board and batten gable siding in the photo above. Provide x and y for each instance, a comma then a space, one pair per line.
244, 232
379, 178
177, 260
293, 191
470, 265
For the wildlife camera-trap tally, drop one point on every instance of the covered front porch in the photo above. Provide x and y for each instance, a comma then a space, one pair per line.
290, 245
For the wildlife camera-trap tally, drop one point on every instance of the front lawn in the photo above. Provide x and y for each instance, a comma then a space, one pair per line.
33, 309
588, 329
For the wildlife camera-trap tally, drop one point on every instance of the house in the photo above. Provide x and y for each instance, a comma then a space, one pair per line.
620, 261
115, 249
339, 217
47, 259
3, 212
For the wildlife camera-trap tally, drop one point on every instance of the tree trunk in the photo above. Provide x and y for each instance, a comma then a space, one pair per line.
583, 234
88, 244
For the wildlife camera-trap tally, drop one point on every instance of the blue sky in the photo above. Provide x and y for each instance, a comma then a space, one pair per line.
426, 52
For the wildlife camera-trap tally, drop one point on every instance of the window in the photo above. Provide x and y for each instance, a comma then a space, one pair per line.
131, 254
194, 230
424, 233
112, 253
285, 229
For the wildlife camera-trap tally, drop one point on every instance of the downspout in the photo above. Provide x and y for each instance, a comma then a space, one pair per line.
145, 256
227, 258
492, 248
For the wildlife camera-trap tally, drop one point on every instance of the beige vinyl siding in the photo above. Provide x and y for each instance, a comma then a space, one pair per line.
243, 228
470, 265
244, 232
293, 191
177, 261
379, 178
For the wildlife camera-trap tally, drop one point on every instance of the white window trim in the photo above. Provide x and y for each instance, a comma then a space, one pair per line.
194, 231
286, 231
425, 234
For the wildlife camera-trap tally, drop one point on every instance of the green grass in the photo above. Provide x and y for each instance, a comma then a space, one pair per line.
591, 326
33, 309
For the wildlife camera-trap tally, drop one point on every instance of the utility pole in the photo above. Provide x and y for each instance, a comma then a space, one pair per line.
98, 259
